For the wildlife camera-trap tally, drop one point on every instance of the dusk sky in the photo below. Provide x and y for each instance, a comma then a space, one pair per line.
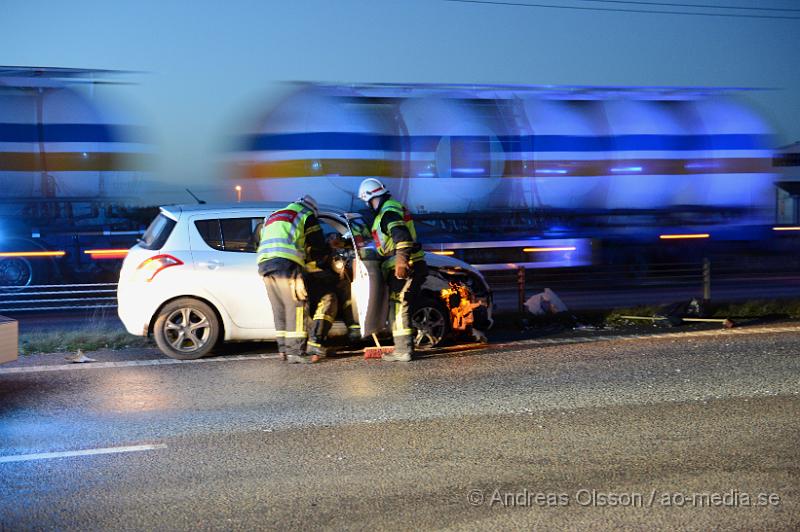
206, 64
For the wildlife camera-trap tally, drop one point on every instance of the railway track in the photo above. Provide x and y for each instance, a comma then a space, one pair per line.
58, 298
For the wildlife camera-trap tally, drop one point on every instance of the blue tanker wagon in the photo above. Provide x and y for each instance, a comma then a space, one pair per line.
567, 170
504, 162
70, 173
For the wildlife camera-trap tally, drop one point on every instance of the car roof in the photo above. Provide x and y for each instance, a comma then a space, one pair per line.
212, 208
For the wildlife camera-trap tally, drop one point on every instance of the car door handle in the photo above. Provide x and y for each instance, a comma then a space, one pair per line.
211, 264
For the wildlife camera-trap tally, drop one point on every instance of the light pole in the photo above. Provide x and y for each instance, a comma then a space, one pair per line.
238, 189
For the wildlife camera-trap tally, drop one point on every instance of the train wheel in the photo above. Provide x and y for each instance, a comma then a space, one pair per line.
15, 273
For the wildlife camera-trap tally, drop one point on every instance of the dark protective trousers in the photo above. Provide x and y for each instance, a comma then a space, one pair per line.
403, 300
290, 313
322, 298
343, 294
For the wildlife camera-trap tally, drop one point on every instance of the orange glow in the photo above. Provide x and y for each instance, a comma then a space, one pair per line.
788, 228
686, 236
537, 250
32, 254
461, 316
107, 253
445, 253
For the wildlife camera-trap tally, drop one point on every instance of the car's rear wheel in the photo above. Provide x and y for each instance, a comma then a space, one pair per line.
432, 323
186, 329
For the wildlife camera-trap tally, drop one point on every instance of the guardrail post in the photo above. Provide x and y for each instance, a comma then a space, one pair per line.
521, 288
706, 281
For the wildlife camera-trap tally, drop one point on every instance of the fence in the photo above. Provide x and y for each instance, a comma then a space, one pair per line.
608, 286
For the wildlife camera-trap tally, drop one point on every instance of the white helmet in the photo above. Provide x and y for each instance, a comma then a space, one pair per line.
309, 202
371, 188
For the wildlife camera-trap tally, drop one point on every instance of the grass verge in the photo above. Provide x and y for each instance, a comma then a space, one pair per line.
94, 337
89, 338
752, 309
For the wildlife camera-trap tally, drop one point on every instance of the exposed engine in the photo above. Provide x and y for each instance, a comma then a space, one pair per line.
461, 304
466, 299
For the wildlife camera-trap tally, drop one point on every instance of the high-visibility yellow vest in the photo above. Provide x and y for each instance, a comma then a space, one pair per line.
383, 241
284, 235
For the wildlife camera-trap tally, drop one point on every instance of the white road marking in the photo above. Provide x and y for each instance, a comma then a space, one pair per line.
130, 363
83, 452
523, 343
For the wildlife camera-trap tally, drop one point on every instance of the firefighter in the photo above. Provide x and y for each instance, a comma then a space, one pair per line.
291, 256
324, 301
403, 264
343, 268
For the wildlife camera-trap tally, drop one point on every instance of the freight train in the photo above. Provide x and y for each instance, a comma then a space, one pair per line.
580, 167
70, 171
569, 173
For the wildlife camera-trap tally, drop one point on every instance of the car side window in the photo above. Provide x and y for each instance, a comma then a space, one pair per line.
230, 234
211, 233
237, 234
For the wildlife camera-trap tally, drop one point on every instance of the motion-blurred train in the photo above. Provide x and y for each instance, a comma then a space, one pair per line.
559, 162
567, 170
69, 169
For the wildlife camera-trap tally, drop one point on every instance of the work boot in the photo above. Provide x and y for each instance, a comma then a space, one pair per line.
302, 359
353, 336
316, 349
394, 356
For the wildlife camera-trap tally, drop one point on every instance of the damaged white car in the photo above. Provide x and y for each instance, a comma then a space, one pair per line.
191, 282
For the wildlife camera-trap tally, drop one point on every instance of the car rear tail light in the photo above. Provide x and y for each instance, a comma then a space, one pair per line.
152, 266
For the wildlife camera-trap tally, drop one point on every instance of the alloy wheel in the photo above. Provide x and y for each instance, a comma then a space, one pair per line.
187, 330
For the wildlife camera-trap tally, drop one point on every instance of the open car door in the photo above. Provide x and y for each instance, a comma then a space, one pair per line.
368, 290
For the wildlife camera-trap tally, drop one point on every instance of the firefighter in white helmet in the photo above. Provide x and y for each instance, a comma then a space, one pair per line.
403, 265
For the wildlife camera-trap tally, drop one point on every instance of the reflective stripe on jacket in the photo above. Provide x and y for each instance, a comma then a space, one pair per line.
386, 246
284, 234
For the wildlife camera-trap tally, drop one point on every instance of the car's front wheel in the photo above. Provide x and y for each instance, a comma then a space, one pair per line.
186, 329
432, 323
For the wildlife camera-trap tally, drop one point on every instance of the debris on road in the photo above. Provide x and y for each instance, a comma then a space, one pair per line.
79, 358
479, 336
546, 302
682, 312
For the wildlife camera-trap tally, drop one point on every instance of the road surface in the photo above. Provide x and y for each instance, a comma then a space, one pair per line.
687, 431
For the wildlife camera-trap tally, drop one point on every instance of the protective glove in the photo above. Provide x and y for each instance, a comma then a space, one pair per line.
299, 287
401, 267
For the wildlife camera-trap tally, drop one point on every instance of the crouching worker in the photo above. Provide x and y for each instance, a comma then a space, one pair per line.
292, 243
342, 269
323, 300
403, 263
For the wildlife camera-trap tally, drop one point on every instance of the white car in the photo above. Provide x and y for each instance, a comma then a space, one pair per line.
192, 281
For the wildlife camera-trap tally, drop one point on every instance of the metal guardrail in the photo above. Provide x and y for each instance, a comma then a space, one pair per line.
523, 281
608, 286
58, 297
613, 285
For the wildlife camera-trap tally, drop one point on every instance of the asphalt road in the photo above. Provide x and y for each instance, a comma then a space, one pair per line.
670, 432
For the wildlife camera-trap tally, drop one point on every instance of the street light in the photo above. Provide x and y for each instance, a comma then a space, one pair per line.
238, 189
